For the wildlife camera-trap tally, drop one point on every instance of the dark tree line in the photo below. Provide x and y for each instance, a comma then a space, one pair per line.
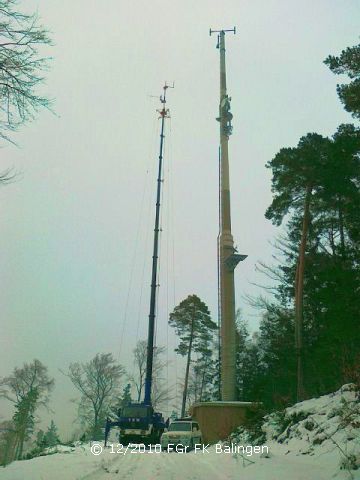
309, 338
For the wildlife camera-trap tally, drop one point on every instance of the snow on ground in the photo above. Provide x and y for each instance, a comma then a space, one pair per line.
308, 443
320, 425
82, 464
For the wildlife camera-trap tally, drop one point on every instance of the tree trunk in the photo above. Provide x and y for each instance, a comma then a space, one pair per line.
10, 449
95, 427
196, 386
21, 444
16, 448
341, 228
299, 287
203, 381
332, 239
187, 367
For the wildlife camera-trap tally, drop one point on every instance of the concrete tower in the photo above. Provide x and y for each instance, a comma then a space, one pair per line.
227, 254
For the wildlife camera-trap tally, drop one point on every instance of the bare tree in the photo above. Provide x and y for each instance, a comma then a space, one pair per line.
21, 35
137, 378
160, 391
98, 381
160, 394
7, 176
21, 64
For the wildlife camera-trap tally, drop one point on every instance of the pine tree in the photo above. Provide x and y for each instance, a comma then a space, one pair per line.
192, 322
330, 303
248, 367
24, 420
126, 396
122, 401
174, 415
51, 437
297, 178
40, 439
348, 63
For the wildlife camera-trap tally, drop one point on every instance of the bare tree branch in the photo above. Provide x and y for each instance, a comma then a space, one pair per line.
21, 38
98, 381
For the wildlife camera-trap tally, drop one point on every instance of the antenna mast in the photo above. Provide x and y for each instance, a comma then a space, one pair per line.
228, 258
164, 113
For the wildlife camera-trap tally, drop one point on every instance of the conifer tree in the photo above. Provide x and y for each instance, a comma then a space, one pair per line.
192, 322
24, 420
126, 395
330, 304
122, 401
51, 437
348, 62
297, 178
40, 439
28, 388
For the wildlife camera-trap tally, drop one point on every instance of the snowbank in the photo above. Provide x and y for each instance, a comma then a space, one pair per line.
325, 428
318, 439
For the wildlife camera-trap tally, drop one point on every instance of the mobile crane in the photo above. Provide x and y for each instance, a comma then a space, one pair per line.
138, 422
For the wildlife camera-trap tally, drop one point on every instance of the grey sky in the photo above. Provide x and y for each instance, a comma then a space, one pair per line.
69, 224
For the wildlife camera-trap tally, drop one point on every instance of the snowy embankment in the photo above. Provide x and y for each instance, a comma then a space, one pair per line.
316, 439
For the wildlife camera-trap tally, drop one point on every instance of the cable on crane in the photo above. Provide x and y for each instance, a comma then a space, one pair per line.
134, 256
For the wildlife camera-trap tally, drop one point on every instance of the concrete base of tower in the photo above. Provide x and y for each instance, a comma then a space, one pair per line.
218, 419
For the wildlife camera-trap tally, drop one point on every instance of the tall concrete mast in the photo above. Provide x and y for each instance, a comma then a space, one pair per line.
228, 257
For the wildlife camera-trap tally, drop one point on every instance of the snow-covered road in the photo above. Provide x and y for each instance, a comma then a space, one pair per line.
205, 466
311, 442
81, 464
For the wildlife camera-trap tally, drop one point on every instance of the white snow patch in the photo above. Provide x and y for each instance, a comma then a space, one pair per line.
316, 437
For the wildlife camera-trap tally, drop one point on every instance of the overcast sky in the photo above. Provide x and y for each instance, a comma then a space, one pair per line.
76, 226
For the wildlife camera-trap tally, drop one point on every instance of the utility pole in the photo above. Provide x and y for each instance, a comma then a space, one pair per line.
164, 113
228, 258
